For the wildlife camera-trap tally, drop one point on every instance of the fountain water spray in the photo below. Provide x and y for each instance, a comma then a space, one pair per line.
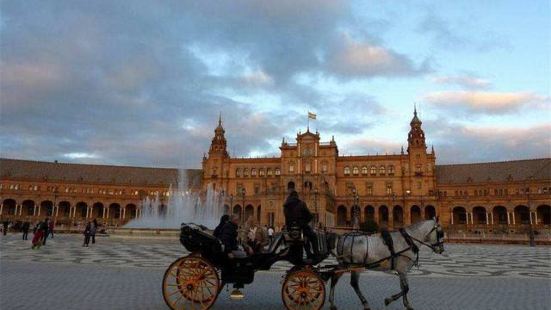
183, 205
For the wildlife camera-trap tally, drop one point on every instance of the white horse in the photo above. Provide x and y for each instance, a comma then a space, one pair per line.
357, 251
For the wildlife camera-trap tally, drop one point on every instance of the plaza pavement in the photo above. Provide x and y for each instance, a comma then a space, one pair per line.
119, 273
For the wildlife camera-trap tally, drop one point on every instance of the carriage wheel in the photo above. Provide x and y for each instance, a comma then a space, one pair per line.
303, 289
190, 283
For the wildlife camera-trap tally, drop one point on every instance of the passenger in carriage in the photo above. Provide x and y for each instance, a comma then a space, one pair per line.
297, 214
228, 236
218, 230
257, 237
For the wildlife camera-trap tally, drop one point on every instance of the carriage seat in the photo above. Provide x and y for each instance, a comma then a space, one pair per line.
195, 238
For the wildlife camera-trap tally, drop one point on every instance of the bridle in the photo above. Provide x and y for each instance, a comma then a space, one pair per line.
438, 245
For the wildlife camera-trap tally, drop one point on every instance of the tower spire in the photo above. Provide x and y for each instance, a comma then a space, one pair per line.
220, 119
416, 136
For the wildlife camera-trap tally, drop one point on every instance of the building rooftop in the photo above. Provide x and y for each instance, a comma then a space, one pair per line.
94, 174
516, 170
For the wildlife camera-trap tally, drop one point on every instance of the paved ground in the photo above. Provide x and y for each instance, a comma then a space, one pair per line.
126, 273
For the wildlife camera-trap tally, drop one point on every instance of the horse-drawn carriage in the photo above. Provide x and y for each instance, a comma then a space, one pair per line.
194, 281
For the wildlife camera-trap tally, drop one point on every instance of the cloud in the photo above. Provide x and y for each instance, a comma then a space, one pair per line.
484, 102
362, 59
447, 35
464, 81
457, 143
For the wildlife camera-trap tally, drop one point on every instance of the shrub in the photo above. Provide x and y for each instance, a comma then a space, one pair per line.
369, 227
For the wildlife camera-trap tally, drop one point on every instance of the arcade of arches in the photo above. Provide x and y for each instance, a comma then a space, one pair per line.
67, 212
500, 215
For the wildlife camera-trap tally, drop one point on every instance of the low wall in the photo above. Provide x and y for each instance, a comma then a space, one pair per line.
497, 238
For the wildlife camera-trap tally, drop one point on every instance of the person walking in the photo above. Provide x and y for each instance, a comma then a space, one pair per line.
38, 235
271, 234
5, 224
25, 229
93, 230
51, 228
45, 226
87, 234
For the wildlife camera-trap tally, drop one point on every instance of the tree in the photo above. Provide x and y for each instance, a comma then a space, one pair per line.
369, 226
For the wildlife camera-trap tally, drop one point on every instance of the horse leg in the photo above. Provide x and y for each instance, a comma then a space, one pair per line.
405, 288
354, 282
334, 279
403, 293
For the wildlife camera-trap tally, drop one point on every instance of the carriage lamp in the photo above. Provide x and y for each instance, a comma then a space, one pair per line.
236, 294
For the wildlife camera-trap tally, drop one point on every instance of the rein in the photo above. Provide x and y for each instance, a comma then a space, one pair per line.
411, 246
431, 246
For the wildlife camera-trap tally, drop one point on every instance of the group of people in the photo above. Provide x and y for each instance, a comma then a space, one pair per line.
42, 230
255, 238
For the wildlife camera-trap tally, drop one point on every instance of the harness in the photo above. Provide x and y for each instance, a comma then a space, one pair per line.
439, 237
387, 238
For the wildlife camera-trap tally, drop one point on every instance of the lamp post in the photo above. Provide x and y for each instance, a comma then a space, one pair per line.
355, 210
230, 209
55, 201
243, 193
316, 219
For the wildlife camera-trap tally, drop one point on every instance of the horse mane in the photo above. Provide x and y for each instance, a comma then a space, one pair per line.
418, 224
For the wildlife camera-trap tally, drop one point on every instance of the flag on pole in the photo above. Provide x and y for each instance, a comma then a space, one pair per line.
311, 115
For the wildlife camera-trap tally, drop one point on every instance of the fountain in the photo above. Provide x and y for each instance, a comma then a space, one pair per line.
183, 206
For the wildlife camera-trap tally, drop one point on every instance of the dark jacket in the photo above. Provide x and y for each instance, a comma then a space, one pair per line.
218, 230
87, 229
295, 211
229, 237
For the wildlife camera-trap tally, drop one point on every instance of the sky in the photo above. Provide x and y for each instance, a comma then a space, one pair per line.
142, 83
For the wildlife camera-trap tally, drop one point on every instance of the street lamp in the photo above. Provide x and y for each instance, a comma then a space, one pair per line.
316, 219
243, 193
230, 209
355, 210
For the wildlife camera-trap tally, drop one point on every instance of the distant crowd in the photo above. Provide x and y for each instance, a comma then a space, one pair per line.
42, 230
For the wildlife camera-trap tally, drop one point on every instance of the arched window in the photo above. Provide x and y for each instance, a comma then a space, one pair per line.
291, 167
307, 167
355, 170
373, 170
261, 172
364, 170
346, 170
277, 171
246, 172
253, 172
269, 171
391, 169
382, 170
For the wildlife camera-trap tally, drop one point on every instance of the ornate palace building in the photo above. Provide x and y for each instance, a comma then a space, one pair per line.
392, 190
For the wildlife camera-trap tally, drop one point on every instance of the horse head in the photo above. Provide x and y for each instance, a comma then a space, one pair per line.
435, 237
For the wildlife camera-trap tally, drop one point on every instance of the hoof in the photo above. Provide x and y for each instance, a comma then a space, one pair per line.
387, 301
